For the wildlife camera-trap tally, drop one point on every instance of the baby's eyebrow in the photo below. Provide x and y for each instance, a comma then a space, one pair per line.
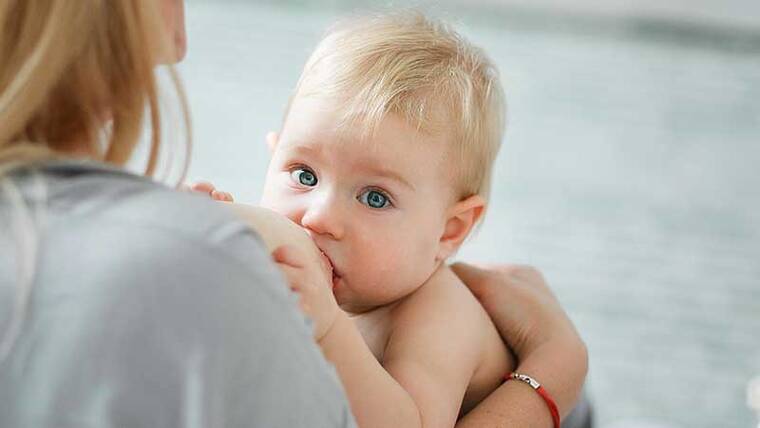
314, 151
387, 173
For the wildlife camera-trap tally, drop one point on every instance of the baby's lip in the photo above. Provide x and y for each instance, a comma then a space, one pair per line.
326, 259
335, 275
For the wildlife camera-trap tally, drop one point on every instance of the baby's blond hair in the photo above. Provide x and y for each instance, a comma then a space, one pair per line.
423, 71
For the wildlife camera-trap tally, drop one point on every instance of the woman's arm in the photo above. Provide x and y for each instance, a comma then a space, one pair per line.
545, 341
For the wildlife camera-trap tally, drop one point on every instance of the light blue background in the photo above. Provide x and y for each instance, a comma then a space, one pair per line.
629, 175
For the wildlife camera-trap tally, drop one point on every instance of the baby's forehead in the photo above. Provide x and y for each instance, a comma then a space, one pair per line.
318, 123
338, 117
423, 109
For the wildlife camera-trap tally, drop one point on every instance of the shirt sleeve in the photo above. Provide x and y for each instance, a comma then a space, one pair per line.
146, 327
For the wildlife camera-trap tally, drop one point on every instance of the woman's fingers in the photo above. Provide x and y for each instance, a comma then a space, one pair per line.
474, 277
484, 280
521, 305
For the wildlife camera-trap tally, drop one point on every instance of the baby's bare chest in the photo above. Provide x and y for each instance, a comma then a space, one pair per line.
375, 328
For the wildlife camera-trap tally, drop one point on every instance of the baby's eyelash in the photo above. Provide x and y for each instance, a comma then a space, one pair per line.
381, 191
387, 195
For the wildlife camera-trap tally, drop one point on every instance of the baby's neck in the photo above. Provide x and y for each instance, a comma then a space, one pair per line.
354, 312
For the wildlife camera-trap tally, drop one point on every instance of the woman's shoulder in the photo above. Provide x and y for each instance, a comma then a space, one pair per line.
97, 191
100, 230
92, 195
139, 279
89, 210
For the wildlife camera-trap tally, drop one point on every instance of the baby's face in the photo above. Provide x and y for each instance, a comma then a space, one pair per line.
377, 207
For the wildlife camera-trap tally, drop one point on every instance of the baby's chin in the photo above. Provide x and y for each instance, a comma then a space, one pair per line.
352, 302
342, 294
347, 299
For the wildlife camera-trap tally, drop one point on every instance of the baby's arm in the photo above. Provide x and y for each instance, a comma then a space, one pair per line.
277, 230
432, 353
307, 270
377, 399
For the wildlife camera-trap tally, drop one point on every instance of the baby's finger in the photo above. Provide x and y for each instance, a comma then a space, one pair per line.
292, 275
218, 195
203, 187
287, 255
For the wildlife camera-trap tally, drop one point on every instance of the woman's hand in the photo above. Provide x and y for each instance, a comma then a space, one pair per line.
534, 325
521, 305
313, 283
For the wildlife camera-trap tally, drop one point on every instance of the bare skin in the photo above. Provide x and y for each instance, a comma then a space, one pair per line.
385, 352
521, 305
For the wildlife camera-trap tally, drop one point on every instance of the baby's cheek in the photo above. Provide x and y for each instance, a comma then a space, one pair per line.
393, 267
371, 258
366, 258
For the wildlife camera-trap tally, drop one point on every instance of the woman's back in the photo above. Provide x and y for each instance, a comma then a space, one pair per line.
151, 308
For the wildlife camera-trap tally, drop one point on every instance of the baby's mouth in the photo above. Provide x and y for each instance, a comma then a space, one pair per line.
335, 276
333, 271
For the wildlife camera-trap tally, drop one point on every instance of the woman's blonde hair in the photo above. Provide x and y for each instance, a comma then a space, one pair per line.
423, 70
76, 77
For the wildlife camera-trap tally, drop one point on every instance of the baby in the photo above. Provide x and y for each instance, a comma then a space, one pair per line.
384, 159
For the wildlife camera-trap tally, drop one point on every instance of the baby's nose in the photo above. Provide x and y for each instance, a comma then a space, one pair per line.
324, 217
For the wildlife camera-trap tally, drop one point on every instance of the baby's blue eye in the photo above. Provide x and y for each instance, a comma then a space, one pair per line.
374, 199
304, 177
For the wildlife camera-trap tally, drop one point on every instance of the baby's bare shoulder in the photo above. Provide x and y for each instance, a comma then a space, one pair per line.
443, 303
445, 326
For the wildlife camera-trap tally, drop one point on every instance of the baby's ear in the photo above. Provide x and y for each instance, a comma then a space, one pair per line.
461, 218
272, 139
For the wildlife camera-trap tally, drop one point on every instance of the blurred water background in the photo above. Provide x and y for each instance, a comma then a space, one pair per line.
629, 173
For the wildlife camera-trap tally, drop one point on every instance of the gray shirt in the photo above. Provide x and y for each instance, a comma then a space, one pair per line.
151, 308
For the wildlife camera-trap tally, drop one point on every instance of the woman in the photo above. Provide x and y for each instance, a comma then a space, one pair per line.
125, 303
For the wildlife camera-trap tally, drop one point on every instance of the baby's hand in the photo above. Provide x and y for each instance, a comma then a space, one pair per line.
210, 190
313, 283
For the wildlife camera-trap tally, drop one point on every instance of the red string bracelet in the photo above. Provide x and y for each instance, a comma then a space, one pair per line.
541, 391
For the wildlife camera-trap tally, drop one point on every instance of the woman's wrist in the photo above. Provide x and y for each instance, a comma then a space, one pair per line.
560, 365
